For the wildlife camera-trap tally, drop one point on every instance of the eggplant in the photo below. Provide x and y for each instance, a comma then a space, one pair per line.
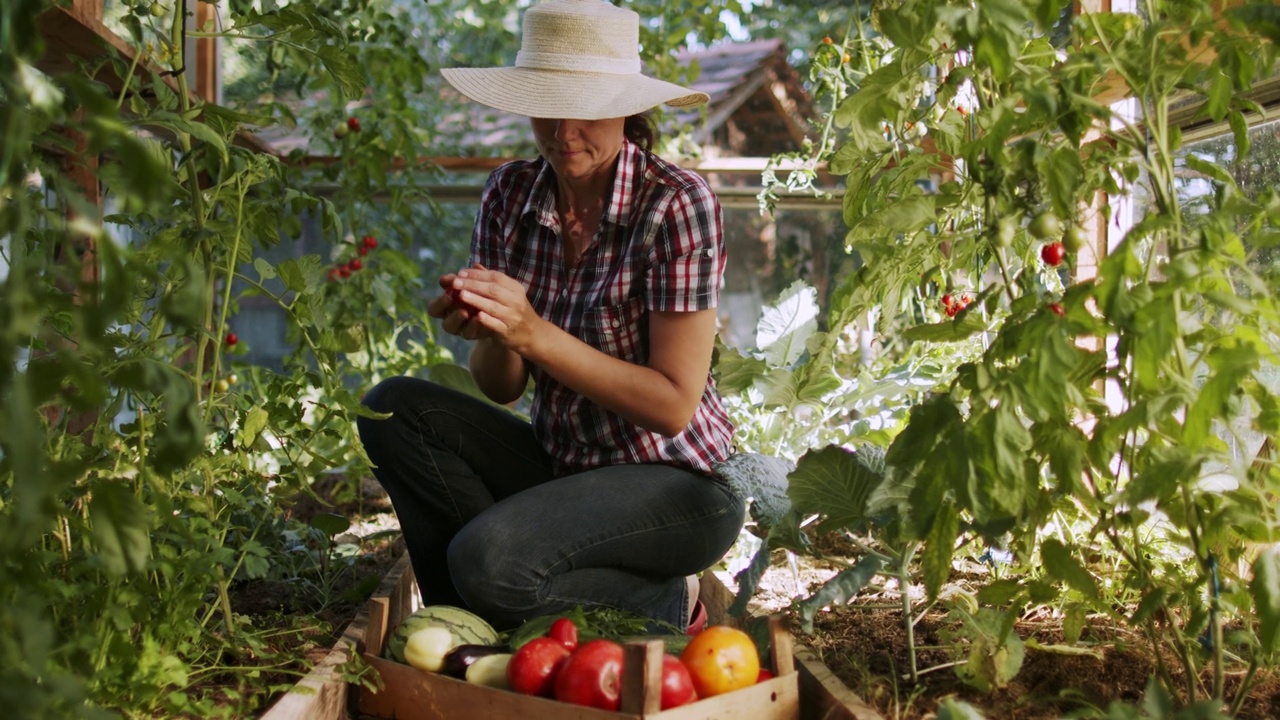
457, 660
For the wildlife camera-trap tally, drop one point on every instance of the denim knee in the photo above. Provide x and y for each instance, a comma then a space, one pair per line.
487, 575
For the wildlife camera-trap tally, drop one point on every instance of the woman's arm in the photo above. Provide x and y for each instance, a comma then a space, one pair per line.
660, 397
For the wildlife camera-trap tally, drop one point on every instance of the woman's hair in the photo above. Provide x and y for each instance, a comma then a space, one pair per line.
640, 129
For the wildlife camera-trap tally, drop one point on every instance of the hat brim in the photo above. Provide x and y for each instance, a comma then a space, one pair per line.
568, 95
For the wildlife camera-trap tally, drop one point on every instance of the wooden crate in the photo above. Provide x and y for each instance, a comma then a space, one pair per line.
803, 690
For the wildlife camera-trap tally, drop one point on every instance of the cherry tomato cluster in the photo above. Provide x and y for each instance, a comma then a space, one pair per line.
342, 271
951, 305
351, 125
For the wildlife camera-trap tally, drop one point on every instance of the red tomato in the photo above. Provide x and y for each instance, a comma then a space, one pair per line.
534, 667
369, 241
765, 674
1052, 253
677, 684
1058, 310
355, 264
592, 675
232, 339
565, 632
353, 123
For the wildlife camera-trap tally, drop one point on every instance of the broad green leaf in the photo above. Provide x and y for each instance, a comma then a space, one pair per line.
831, 482
787, 324
838, 590
735, 372
120, 525
1061, 564
1264, 588
331, 525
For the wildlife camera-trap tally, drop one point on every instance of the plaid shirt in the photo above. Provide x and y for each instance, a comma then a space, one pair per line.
660, 247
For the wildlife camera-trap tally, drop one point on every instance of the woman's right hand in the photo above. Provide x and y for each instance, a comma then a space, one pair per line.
455, 315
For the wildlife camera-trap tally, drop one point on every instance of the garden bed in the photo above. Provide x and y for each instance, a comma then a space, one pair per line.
864, 646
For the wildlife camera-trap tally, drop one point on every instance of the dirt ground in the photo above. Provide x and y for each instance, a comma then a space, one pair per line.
864, 644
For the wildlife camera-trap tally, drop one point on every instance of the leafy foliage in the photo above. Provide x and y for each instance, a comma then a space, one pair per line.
1120, 405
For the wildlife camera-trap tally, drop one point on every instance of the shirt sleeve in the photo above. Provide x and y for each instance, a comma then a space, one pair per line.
689, 260
486, 237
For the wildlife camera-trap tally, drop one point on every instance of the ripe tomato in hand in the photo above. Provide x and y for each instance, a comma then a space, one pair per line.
591, 675
565, 632
533, 668
721, 659
677, 684
1052, 253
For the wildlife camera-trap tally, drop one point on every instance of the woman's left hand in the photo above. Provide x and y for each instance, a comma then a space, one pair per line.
503, 309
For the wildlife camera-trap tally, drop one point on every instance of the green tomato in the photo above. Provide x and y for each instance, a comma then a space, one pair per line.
156, 10
222, 386
1045, 226
1075, 238
1005, 232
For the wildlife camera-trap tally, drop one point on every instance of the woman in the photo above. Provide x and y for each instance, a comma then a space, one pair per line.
596, 273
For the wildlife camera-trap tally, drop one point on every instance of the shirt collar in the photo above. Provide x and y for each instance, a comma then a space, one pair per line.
630, 169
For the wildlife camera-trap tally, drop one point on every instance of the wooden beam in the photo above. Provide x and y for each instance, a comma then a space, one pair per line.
72, 34
208, 82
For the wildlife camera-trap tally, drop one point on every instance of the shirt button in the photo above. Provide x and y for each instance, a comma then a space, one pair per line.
616, 322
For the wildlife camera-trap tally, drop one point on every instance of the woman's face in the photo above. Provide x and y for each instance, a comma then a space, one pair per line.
579, 149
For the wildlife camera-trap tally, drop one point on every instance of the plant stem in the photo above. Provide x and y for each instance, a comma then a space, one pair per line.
904, 582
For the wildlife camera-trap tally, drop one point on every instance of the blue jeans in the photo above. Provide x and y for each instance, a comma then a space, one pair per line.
489, 527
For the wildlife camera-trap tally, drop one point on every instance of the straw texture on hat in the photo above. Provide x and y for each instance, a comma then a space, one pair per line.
578, 60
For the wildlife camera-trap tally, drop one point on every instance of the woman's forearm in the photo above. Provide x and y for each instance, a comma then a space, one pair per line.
499, 372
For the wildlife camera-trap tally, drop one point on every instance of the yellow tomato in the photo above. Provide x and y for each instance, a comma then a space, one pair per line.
721, 659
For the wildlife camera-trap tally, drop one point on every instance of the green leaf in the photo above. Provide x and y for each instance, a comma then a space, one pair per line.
1061, 564
951, 709
762, 479
734, 372
329, 524
255, 421
302, 275
120, 527
786, 325
839, 590
939, 548
831, 482
1264, 588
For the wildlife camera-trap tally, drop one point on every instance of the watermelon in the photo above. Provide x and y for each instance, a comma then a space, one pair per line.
466, 627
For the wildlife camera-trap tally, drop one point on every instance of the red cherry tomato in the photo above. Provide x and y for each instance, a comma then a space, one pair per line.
1052, 253
565, 632
369, 241
355, 264
1058, 310
232, 339
353, 123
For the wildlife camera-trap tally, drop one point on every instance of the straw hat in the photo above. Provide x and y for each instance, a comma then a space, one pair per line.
578, 60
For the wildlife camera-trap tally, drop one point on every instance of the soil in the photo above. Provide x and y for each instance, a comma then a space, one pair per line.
864, 644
